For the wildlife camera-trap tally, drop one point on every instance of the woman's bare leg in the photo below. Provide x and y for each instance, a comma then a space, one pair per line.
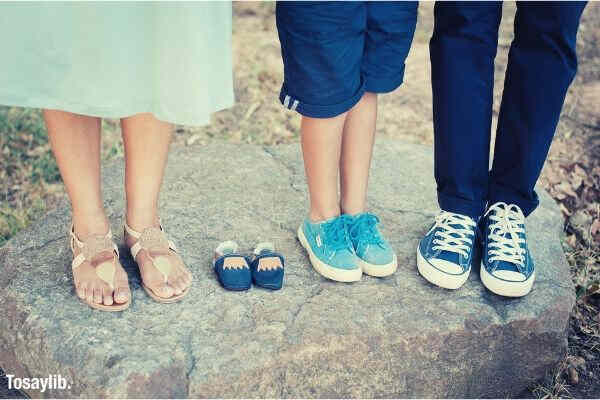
146, 141
75, 141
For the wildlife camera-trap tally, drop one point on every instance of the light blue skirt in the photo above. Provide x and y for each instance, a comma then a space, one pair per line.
116, 59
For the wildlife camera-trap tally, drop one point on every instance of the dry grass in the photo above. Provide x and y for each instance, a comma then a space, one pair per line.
30, 183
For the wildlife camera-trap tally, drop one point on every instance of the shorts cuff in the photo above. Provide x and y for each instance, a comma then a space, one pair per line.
457, 205
510, 196
291, 102
378, 85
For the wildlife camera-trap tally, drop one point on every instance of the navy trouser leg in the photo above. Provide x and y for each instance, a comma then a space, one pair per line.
462, 51
541, 65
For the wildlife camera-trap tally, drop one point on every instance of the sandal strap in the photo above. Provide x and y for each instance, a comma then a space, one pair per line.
137, 246
80, 258
131, 231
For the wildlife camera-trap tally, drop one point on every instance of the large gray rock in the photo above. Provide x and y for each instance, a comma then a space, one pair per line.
393, 337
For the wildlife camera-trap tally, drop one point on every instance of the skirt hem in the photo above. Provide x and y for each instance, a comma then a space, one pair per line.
110, 112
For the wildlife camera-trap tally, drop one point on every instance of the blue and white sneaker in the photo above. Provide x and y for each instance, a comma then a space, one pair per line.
375, 255
329, 249
445, 254
507, 268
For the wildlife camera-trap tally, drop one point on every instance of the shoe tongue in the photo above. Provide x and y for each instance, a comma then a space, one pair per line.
501, 264
457, 226
449, 255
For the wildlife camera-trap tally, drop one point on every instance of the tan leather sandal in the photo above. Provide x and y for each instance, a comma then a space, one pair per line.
158, 246
102, 253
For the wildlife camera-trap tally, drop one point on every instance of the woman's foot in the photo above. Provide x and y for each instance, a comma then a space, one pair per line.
164, 275
100, 280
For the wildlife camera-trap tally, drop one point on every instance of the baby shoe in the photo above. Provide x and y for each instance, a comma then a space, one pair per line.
231, 267
267, 266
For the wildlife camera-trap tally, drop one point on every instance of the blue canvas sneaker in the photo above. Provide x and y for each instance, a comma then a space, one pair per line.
375, 255
329, 249
445, 254
506, 265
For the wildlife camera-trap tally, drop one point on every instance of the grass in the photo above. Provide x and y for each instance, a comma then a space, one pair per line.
31, 182
28, 171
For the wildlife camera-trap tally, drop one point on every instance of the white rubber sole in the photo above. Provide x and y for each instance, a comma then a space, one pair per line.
505, 288
376, 270
437, 277
335, 274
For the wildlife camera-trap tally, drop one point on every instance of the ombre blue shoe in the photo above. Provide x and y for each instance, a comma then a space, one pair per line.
507, 268
232, 269
375, 255
330, 250
267, 267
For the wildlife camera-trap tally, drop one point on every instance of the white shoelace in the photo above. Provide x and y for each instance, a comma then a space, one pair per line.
455, 240
506, 223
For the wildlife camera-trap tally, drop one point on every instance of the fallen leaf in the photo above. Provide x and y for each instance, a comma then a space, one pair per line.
560, 196
595, 228
577, 170
576, 182
565, 188
572, 241
573, 376
593, 289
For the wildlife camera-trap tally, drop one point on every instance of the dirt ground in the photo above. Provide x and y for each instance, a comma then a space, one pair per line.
571, 174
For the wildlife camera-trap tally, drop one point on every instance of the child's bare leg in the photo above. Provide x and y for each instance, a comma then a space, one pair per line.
321, 147
146, 142
357, 147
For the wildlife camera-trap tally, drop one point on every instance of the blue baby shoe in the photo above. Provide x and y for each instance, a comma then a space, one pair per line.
507, 268
375, 255
446, 253
267, 267
330, 250
231, 268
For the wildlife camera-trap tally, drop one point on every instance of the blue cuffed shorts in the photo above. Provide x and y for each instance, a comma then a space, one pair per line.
335, 51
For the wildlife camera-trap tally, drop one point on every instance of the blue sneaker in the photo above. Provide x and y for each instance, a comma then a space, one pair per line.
329, 249
375, 255
506, 265
445, 254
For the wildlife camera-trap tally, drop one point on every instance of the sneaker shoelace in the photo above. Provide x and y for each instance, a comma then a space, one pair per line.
455, 233
364, 230
336, 234
506, 226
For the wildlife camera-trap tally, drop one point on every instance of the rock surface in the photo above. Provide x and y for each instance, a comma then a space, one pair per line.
392, 337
